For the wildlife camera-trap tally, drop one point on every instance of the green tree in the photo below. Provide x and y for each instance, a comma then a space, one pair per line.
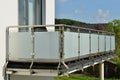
114, 26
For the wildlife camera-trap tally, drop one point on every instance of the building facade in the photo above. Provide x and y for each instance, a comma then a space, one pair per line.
22, 12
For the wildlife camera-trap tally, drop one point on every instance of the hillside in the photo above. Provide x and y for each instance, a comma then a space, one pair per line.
69, 22
97, 26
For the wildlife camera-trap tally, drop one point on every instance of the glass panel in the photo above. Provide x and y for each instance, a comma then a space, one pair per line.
101, 43
70, 44
31, 12
94, 43
43, 42
23, 16
84, 44
39, 5
20, 46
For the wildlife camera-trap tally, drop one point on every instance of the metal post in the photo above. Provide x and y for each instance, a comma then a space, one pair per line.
105, 44
61, 42
110, 42
89, 43
61, 48
98, 41
33, 49
6, 77
78, 43
101, 70
60, 54
7, 44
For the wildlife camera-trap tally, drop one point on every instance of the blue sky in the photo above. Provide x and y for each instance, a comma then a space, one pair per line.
89, 11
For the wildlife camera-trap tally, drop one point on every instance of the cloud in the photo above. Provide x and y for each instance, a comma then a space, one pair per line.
102, 16
77, 11
63, 0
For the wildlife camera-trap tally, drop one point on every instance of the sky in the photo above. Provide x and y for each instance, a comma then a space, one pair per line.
89, 11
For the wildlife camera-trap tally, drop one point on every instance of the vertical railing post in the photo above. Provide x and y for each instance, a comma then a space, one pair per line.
33, 49
105, 43
6, 76
61, 48
89, 43
7, 44
61, 42
78, 43
110, 43
98, 42
60, 52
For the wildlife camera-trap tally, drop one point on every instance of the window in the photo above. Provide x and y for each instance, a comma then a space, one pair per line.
31, 12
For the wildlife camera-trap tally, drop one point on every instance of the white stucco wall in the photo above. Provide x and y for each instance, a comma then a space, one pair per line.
9, 17
50, 13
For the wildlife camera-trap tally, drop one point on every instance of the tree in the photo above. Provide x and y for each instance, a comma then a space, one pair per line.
114, 26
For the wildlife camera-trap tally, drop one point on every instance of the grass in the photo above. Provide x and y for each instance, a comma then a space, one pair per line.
79, 77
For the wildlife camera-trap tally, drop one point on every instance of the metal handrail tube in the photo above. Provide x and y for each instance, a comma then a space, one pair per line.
59, 25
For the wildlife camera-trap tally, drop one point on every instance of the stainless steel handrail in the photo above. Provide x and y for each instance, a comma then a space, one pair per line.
59, 25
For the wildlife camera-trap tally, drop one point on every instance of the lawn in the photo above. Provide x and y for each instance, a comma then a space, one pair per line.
79, 77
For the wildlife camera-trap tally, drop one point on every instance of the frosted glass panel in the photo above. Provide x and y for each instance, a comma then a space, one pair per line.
20, 45
47, 45
71, 44
94, 43
112, 42
101, 43
107, 43
84, 44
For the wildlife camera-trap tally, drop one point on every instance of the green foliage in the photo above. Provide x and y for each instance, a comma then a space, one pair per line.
76, 77
79, 77
114, 26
